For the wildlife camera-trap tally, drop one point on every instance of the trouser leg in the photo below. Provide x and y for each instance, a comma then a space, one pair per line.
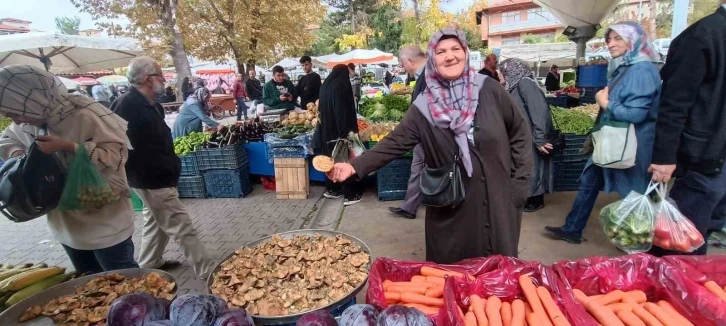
120, 256
590, 183
412, 200
84, 261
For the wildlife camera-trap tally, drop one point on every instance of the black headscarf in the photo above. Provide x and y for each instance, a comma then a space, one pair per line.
337, 107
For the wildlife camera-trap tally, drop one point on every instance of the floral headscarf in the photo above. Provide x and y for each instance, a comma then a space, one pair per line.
640, 47
451, 104
514, 70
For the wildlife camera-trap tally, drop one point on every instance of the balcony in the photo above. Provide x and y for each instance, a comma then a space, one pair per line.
530, 25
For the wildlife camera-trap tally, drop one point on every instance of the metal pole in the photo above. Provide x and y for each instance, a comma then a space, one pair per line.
680, 17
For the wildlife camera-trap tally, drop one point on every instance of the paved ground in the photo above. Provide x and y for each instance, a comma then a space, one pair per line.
223, 224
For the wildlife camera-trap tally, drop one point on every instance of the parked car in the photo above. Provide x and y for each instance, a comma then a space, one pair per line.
662, 45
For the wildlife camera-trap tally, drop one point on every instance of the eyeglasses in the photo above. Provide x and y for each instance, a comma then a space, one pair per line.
155, 75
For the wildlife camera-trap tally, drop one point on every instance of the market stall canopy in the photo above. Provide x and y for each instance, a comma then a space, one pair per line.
361, 56
114, 80
212, 66
579, 13
69, 83
86, 81
60, 53
288, 63
560, 54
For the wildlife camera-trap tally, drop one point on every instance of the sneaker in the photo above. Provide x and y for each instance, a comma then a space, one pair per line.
353, 201
330, 194
558, 234
402, 213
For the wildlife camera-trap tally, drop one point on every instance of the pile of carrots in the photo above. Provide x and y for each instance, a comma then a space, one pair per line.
618, 308
539, 309
716, 289
424, 292
362, 125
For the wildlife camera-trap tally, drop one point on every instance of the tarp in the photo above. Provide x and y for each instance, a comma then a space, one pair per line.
361, 56
86, 81
114, 80
579, 13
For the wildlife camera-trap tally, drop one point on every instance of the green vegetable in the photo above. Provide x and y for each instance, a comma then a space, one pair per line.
189, 143
4, 123
386, 108
571, 121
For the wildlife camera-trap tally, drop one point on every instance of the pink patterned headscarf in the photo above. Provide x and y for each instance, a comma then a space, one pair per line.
451, 104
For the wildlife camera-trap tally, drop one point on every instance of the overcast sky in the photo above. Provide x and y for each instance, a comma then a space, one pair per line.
43, 12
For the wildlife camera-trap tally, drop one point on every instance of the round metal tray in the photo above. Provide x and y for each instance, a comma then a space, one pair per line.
288, 319
12, 314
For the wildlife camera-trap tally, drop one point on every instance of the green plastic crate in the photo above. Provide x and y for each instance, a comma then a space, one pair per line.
136, 202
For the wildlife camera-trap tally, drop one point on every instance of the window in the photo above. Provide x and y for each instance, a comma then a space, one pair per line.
511, 17
540, 14
511, 40
547, 37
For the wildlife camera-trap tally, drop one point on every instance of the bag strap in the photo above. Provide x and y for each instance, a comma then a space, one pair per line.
611, 87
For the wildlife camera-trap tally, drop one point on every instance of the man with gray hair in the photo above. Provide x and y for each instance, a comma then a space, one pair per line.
153, 171
413, 61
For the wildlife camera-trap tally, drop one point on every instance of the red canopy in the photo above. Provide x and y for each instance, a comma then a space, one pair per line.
215, 71
86, 81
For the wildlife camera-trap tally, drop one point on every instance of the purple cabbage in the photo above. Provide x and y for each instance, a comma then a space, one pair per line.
234, 317
403, 316
317, 318
132, 310
359, 315
196, 310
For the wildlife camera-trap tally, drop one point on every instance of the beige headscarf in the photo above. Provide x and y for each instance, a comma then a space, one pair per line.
34, 93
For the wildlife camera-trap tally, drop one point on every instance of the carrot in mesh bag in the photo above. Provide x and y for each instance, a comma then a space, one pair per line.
673, 231
85, 188
628, 223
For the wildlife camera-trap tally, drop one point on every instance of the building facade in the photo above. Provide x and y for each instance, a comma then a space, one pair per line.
508, 22
13, 26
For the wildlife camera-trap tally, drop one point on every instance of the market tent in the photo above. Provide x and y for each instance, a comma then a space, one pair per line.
61, 53
361, 56
560, 54
86, 81
114, 80
288, 63
69, 83
212, 66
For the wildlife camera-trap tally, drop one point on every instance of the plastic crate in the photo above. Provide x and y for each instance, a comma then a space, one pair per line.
192, 187
587, 95
393, 180
567, 175
287, 152
273, 140
558, 101
228, 183
592, 76
229, 157
136, 202
189, 164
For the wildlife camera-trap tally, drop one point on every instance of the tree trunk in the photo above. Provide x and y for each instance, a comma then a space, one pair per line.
653, 23
177, 51
417, 15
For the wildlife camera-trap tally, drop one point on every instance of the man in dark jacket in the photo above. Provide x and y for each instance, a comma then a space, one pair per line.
153, 172
490, 67
413, 61
690, 140
253, 86
308, 87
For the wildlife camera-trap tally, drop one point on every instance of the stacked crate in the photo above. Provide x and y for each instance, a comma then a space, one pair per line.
191, 182
226, 171
393, 179
569, 163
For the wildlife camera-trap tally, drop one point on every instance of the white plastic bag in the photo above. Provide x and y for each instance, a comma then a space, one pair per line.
629, 223
673, 231
614, 143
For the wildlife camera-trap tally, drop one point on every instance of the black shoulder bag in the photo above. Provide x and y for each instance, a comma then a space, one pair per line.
442, 187
30, 185
554, 137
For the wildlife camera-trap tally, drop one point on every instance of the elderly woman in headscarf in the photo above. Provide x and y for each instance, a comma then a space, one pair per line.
95, 240
526, 93
632, 96
193, 113
467, 119
337, 119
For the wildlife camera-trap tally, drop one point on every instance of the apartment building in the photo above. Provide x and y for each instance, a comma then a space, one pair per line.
507, 22
13, 26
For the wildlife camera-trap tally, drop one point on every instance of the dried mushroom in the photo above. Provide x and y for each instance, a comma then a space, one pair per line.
89, 304
289, 276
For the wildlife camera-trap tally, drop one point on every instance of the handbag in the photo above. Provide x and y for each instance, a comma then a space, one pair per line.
442, 187
614, 143
587, 146
30, 185
555, 137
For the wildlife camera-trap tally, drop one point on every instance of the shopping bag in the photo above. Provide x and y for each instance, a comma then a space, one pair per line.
85, 188
673, 231
341, 151
614, 143
629, 223
355, 145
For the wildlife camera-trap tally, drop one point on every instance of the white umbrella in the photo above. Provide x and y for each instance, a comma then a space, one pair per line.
60, 53
361, 56
289, 63
114, 80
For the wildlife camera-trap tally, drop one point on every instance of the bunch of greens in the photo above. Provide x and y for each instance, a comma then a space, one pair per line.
4, 123
189, 143
629, 223
385, 108
572, 121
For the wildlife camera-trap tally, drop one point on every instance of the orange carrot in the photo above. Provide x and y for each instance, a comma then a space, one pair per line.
637, 295
612, 297
418, 279
405, 288
393, 296
506, 312
425, 309
527, 308
629, 319
431, 271
604, 315
715, 289
392, 302
435, 292
533, 319
470, 319
385, 284
492, 308
554, 312
646, 317
410, 297
620, 306
530, 292
476, 305
435, 280
663, 316
411, 284
669, 308
580, 296
518, 313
